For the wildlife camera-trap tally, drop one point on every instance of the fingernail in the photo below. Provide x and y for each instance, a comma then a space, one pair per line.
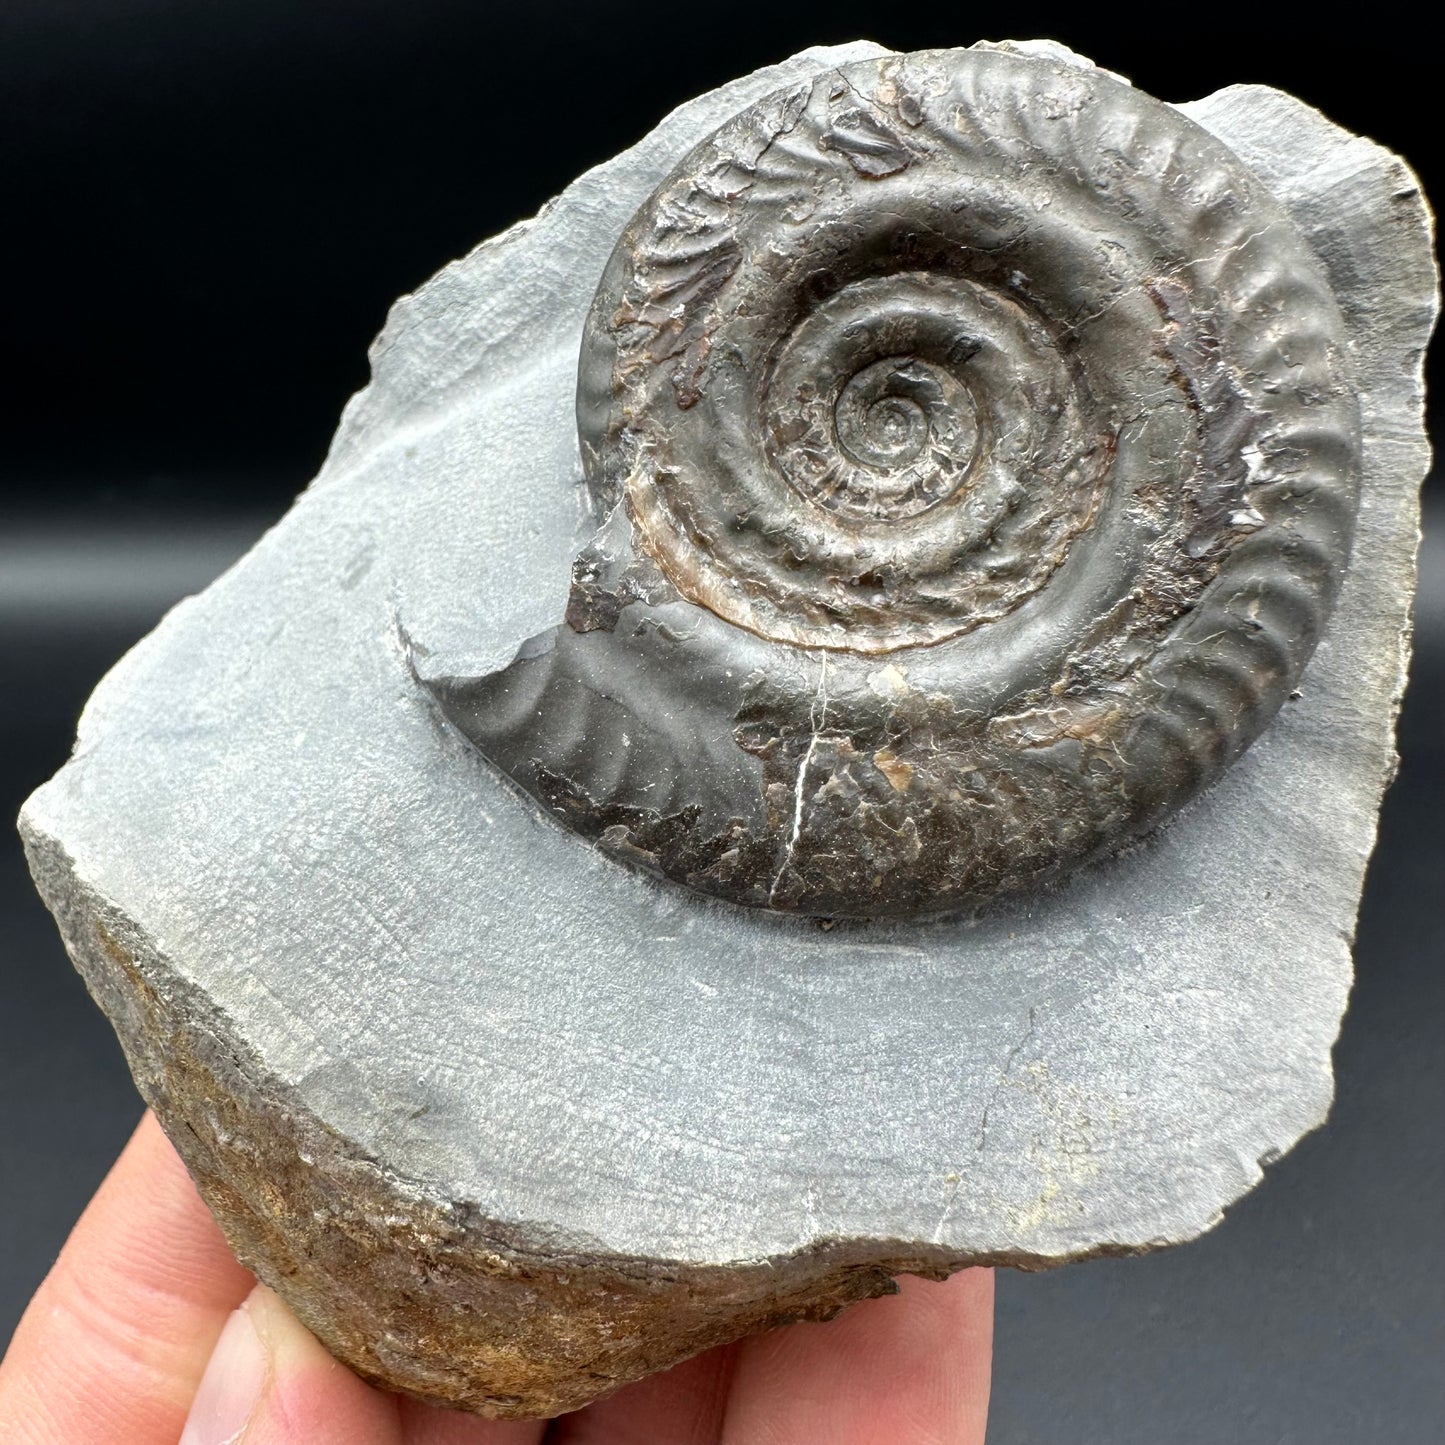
231, 1386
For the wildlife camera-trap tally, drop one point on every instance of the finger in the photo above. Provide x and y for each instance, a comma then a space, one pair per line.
680, 1406
270, 1382
910, 1368
427, 1425
117, 1337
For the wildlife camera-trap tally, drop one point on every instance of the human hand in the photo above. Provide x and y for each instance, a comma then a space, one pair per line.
148, 1331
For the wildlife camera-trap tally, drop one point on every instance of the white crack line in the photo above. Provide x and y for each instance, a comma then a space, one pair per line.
817, 717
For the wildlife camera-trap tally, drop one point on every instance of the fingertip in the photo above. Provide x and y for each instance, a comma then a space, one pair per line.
271, 1382
118, 1334
232, 1385
909, 1368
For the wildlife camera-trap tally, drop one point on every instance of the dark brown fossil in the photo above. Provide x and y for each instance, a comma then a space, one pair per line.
974, 455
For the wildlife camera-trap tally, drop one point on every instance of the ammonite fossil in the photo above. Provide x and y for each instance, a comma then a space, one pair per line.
974, 456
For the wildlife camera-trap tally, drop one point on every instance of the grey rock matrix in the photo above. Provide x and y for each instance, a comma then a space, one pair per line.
510, 1123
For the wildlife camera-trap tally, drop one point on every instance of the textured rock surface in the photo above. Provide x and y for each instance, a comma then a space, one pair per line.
510, 1124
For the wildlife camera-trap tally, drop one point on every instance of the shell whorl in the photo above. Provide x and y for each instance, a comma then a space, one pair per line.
975, 461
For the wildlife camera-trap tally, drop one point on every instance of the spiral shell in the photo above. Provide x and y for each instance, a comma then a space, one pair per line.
975, 457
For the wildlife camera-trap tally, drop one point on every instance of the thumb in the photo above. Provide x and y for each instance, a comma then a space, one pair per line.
269, 1382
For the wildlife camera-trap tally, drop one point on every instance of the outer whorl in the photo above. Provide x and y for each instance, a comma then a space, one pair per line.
974, 455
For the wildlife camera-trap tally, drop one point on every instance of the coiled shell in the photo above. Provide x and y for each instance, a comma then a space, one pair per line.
974, 456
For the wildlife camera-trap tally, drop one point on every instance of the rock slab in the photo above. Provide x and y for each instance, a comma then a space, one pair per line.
509, 1124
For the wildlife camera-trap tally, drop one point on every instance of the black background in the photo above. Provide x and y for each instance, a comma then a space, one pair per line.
205, 210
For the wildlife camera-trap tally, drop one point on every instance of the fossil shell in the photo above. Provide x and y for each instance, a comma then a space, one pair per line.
974, 457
